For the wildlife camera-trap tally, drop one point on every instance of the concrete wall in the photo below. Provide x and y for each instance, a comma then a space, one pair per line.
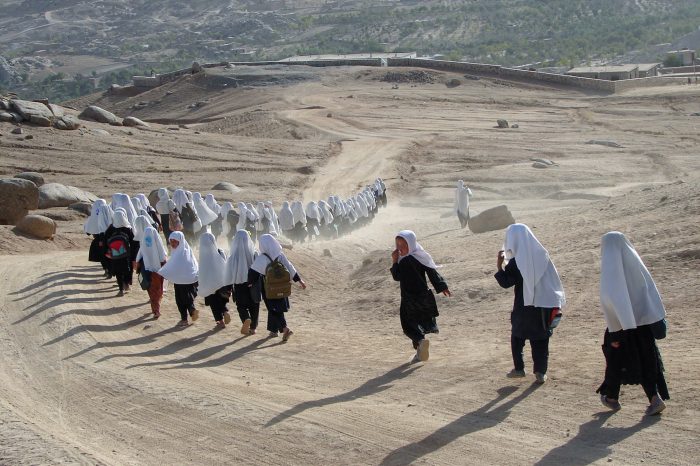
626, 85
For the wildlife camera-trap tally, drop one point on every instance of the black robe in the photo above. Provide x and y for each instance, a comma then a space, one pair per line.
527, 322
418, 307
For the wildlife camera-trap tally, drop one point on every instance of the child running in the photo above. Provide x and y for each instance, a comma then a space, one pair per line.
410, 264
271, 251
183, 271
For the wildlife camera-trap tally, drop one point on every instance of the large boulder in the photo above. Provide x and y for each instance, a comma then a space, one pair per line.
100, 115
496, 218
18, 197
226, 186
58, 195
6, 117
27, 109
83, 207
34, 177
40, 121
67, 122
133, 121
37, 226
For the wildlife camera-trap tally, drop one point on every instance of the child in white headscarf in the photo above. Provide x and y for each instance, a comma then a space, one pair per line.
183, 271
539, 296
185, 209
299, 232
462, 196
286, 220
213, 279
217, 225
100, 219
150, 258
635, 318
247, 297
119, 239
164, 208
271, 250
410, 265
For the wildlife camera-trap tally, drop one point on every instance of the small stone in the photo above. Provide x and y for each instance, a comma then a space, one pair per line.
329, 115
502, 123
327, 253
17, 130
515, 126
29, 136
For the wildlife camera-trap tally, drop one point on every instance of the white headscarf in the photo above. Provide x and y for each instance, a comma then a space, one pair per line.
162, 204
212, 270
286, 217
136, 202
541, 283
416, 250
269, 246
119, 219
105, 218
462, 198
145, 203
261, 215
92, 224
271, 215
180, 198
214, 206
205, 214
312, 211
243, 215
140, 224
123, 201
223, 213
182, 268
251, 212
628, 294
243, 254
298, 211
325, 211
151, 250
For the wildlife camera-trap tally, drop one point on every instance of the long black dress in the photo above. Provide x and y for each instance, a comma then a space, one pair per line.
418, 307
636, 361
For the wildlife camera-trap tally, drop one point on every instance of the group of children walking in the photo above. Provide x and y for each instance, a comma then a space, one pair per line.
127, 240
632, 307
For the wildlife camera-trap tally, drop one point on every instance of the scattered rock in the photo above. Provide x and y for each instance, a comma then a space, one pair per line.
329, 115
18, 196
496, 218
29, 136
453, 83
99, 132
605, 143
327, 253
540, 165
196, 67
26, 109
34, 177
38, 226
472, 77
503, 123
98, 114
515, 126
133, 121
544, 161
67, 122
58, 195
226, 186
6, 117
17, 130
82, 207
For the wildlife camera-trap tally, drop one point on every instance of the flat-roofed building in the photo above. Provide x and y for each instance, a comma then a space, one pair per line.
609, 73
686, 57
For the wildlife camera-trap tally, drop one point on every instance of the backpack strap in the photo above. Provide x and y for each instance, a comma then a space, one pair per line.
268, 257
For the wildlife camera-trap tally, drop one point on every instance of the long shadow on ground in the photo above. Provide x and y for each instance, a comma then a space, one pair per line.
593, 441
371, 387
485, 417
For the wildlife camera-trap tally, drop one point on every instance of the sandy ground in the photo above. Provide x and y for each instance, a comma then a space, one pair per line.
89, 378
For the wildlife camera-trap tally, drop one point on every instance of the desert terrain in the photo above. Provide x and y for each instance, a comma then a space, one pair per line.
89, 378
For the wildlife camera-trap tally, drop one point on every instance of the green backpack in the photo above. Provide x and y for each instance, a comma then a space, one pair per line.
278, 282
